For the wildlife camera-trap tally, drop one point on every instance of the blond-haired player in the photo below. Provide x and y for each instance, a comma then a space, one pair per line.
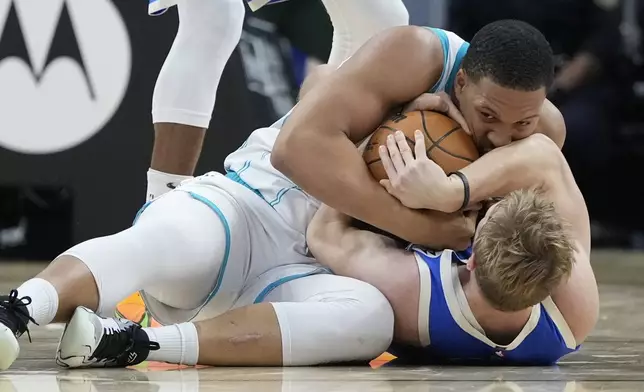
524, 293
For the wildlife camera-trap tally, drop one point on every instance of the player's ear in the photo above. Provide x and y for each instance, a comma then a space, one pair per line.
471, 263
461, 80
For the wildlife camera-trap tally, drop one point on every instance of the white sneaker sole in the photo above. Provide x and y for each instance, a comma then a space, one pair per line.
78, 341
9, 348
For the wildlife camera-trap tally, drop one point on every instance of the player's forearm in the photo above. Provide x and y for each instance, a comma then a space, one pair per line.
522, 164
325, 234
327, 249
328, 166
329, 238
337, 255
345, 250
356, 194
373, 259
331, 169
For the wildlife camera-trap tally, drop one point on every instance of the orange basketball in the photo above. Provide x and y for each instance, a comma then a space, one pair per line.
446, 142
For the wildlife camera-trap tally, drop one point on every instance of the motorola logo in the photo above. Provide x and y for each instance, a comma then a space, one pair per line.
64, 69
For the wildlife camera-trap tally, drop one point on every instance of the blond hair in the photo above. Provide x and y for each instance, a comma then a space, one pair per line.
522, 252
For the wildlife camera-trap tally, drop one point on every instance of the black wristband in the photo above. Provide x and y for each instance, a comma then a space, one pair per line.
466, 189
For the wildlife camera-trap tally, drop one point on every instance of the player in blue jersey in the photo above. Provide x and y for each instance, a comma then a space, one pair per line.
495, 86
524, 294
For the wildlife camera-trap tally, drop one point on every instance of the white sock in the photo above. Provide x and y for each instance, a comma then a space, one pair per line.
178, 343
44, 300
160, 183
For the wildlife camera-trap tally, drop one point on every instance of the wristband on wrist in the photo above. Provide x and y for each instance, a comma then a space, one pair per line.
466, 189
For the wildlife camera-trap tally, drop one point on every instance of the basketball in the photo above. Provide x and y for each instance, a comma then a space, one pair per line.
447, 143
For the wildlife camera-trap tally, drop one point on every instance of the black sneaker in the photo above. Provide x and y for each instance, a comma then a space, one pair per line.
14, 320
93, 341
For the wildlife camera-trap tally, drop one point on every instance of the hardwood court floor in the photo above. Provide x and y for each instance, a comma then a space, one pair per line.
611, 360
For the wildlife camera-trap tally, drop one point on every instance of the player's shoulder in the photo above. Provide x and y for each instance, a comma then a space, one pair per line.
552, 123
453, 255
419, 40
443, 34
424, 252
410, 55
411, 37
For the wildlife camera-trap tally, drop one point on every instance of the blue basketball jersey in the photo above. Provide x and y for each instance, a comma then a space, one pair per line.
449, 331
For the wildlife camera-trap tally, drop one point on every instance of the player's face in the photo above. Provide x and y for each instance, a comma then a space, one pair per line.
497, 115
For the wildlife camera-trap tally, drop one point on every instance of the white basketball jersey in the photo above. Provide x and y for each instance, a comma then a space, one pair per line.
454, 48
251, 165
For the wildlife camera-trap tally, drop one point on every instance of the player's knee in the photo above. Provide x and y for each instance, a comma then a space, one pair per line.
179, 224
371, 321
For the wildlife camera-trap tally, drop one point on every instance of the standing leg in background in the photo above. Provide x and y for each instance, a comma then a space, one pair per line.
184, 95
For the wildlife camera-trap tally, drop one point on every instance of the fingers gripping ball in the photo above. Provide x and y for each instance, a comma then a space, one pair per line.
446, 142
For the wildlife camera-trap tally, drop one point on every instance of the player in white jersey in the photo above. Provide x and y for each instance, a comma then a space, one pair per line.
209, 31
495, 87
222, 263
226, 272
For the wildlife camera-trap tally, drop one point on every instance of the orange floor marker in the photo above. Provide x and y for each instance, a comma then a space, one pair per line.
383, 359
133, 309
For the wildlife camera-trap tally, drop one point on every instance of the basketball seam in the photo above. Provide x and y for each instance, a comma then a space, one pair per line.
440, 139
435, 143
413, 142
422, 120
454, 155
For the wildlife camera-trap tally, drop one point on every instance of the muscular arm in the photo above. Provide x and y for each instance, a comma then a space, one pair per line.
522, 164
371, 258
316, 147
537, 161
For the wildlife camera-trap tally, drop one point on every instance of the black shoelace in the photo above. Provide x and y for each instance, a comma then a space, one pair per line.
116, 345
16, 315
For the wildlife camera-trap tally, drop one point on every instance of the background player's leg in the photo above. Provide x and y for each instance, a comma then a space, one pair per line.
307, 321
184, 95
356, 21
